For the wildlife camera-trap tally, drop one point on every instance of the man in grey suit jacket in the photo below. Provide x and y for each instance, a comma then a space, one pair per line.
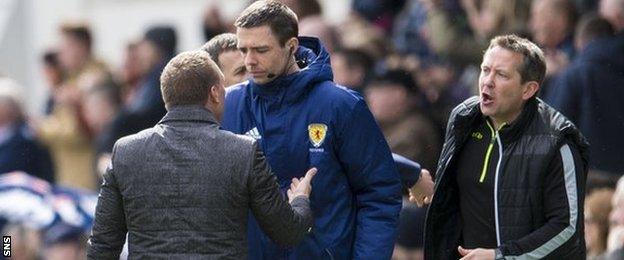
183, 189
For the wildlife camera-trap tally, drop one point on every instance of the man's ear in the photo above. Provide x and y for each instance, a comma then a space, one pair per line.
530, 90
292, 45
213, 95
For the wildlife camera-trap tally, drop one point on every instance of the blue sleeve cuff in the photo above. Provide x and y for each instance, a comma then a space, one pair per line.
408, 170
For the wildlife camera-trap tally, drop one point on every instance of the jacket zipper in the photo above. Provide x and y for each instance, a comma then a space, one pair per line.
495, 137
500, 159
488, 153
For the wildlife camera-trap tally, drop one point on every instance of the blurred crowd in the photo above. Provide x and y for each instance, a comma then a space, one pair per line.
413, 61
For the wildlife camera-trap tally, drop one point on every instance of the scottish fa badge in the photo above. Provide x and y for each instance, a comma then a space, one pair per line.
317, 134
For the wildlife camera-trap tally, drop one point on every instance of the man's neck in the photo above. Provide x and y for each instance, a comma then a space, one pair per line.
499, 122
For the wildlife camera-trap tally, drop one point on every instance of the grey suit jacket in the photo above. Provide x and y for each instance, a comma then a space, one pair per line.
183, 190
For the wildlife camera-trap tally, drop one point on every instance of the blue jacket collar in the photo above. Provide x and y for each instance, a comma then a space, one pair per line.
313, 59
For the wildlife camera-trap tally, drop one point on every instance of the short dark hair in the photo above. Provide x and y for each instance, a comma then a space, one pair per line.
567, 8
533, 67
109, 90
79, 32
51, 59
282, 21
308, 8
187, 78
164, 37
591, 27
355, 57
220, 44
398, 77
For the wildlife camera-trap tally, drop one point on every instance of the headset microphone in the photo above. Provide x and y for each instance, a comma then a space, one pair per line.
271, 75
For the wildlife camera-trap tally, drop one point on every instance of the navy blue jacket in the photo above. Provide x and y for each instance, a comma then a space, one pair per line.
143, 112
21, 152
590, 92
305, 120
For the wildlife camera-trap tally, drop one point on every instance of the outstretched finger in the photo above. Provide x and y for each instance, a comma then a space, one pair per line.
309, 175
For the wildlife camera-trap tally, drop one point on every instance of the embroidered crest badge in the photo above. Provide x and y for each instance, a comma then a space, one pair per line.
317, 133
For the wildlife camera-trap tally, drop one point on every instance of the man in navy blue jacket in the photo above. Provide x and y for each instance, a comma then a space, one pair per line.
19, 149
589, 92
302, 119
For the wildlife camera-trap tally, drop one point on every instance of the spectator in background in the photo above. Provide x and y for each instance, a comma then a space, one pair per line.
552, 27
54, 76
75, 51
380, 13
586, 6
613, 11
19, 150
64, 130
591, 27
101, 104
357, 33
409, 35
615, 244
392, 99
462, 42
316, 26
312, 23
597, 222
64, 242
222, 50
304, 8
46, 221
131, 72
156, 49
213, 22
589, 92
352, 68
437, 82
496, 17
146, 107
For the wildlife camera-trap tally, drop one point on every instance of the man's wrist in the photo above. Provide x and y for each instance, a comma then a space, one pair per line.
301, 195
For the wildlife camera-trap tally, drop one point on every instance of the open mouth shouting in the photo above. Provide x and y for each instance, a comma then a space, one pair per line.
486, 99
